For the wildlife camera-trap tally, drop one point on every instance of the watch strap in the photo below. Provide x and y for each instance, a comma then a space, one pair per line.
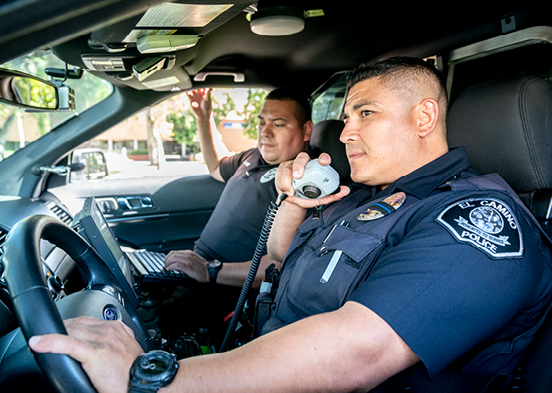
135, 389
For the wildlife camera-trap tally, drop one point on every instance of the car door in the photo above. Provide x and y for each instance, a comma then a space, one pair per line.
155, 213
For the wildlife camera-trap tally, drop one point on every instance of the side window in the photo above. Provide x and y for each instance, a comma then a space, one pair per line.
328, 99
162, 140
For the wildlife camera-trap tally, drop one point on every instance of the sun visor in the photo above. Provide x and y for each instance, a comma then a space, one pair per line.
172, 19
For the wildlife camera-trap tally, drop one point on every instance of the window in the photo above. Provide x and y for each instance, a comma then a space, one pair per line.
163, 141
328, 100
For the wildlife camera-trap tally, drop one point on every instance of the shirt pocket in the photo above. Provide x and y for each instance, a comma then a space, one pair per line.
317, 283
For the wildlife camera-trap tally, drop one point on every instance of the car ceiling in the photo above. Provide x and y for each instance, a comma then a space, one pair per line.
348, 34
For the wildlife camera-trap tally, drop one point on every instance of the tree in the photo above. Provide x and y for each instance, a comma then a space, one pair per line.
154, 142
184, 129
223, 106
255, 100
4, 129
185, 125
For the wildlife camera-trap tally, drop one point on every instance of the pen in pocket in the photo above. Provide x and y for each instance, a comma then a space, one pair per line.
331, 266
335, 257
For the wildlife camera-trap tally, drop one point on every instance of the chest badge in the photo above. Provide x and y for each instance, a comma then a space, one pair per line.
485, 223
383, 208
271, 174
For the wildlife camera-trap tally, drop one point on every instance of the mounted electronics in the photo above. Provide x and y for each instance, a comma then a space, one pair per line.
92, 226
147, 67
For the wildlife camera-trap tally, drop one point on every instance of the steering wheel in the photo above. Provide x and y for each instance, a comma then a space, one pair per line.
36, 311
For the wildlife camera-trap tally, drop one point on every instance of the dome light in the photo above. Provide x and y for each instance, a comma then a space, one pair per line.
278, 21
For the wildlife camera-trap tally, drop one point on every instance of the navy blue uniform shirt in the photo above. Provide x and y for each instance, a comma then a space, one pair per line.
459, 270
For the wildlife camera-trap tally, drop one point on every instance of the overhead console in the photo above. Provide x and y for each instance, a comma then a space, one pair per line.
140, 52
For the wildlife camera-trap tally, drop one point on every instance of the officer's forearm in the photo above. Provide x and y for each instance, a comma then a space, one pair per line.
205, 128
235, 273
285, 225
351, 349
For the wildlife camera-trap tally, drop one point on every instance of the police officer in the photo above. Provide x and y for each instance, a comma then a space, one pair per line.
231, 234
424, 264
223, 253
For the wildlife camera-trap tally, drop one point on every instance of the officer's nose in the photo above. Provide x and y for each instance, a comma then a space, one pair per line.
267, 131
349, 132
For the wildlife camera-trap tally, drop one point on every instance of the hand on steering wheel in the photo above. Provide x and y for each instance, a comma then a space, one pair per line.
36, 311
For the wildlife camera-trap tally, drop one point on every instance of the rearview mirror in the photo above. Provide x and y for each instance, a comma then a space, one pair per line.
27, 91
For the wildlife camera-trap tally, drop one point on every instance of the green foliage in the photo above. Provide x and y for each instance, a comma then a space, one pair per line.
222, 108
185, 125
138, 152
255, 100
184, 128
35, 93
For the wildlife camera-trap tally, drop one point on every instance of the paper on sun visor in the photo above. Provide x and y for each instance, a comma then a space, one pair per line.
171, 15
135, 34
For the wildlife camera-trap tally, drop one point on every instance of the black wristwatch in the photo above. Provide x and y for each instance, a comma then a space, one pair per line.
152, 371
214, 267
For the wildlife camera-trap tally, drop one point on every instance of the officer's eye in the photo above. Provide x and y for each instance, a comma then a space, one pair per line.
365, 113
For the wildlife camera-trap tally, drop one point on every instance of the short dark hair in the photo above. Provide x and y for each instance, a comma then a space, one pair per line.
395, 66
303, 112
404, 73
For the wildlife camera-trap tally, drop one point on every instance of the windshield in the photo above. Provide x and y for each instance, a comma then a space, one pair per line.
18, 127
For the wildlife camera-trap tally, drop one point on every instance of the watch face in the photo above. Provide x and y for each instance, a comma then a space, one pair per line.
216, 263
153, 367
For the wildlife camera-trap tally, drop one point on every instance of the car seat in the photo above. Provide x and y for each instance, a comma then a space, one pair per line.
506, 127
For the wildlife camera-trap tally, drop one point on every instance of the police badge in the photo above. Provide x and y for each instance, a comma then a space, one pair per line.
487, 224
383, 208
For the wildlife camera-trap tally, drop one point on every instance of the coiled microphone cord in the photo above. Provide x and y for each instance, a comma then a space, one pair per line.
256, 261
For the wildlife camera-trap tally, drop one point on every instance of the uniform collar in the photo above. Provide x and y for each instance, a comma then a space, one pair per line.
423, 181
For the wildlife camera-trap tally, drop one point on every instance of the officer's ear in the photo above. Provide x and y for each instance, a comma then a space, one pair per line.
427, 116
307, 130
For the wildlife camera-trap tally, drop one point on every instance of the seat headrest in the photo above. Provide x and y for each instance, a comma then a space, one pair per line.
325, 136
506, 127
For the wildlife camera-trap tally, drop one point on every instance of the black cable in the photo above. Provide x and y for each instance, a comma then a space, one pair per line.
256, 261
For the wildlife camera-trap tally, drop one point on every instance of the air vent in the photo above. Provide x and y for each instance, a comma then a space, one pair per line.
62, 214
59, 212
3, 234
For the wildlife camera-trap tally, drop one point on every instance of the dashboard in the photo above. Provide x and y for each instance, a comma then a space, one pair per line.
57, 266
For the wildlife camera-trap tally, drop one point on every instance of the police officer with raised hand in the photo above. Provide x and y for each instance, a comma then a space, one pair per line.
423, 266
285, 128
223, 252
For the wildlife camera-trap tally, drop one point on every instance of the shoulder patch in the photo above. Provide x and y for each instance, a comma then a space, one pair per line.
487, 224
271, 174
